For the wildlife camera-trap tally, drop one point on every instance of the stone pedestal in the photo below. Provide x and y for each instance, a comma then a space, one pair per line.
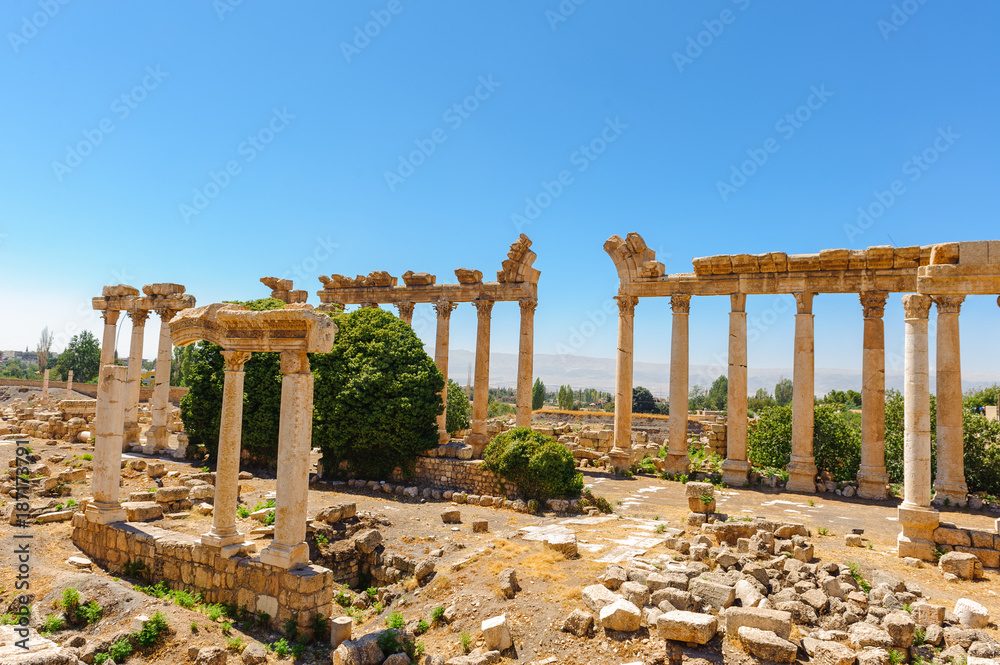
623, 373
481, 389
950, 480
873, 479
525, 362
802, 466
677, 455
444, 310
138, 317
917, 536
108, 423
405, 312
158, 433
108, 340
736, 467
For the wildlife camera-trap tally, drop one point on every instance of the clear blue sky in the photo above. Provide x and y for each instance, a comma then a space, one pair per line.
309, 115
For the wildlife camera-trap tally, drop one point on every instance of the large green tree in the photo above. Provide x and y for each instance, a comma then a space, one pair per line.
458, 408
537, 395
83, 356
718, 394
642, 400
783, 392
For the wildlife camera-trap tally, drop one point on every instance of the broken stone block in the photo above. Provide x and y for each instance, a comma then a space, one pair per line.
960, 564
451, 517
480, 526
142, 511
155, 470
564, 543
716, 595
211, 656
367, 541
864, 634
508, 583
971, 614
596, 596
614, 577
496, 634
171, 494
926, 614
686, 626
766, 645
621, 615
901, 627
828, 652
423, 570
776, 621
635, 593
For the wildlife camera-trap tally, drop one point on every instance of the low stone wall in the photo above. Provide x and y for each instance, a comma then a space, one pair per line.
182, 562
453, 474
90, 389
984, 544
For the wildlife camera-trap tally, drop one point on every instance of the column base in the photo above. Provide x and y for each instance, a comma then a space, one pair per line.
735, 471
105, 513
131, 434
478, 443
283, 556
917, 536
219, 539
956, 493
873, 483
801, 475
228, 550
157, 436
676, 462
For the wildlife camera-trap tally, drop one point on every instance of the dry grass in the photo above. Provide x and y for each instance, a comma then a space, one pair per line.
438, 586
544, 565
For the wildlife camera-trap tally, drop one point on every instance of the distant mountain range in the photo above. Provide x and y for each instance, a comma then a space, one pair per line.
599, 373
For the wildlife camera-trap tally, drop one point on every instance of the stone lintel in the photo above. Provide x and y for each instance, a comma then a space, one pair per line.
949, 279
142, 303
898, 280
429, 293
236, 328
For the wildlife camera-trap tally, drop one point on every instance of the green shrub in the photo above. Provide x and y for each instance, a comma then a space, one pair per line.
437, 615
769, 439
422, 627
982, 453
120, 650
70, 600
242, 512
539, 467
388, 643
836, 440
395, 620
90, 612
280, 648
458, 410
151, 631
53, 624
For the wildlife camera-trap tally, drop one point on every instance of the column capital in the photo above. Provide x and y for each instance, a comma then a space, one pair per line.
138, 317
626, 305
873, 303
916, 306
444, 308
948, 304
484, 308
235, 360
294, 362
738, 302
528, 304
680, 304
370, 305
110, 316
166, 314
804, 302
405, 309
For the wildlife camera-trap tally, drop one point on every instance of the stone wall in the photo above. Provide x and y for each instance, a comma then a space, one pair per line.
181, 561
715, 434
984, 544
454, 474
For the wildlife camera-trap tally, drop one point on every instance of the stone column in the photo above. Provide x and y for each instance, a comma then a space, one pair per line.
108, 425
481, 388
138, 317
950, 481
872, 476
917, 518
444, 310
158, 432
623, 374
802, 466
677, 457
69, 385
289, 549
224, 533
525, 362
736, 467
405, 312
45, 387
108, 340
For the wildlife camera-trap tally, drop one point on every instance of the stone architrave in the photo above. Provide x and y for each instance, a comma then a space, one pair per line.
525, 362
917, 518
949, 482
677, 456
405, 312
158, 432
444, 310
69, 385
481, 388
736, 467
873, 479
802, 466
138, 317
108, 425
623, 373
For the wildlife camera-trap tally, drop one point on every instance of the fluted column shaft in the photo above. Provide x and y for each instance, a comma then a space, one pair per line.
158, 433
950, 481
108, 422
736, 467
525, 362
134, 376
872, 476
623, 373
444, 310
108, 341
802, 466
481, 389
677, 456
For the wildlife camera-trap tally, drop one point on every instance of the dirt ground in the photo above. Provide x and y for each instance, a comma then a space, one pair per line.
466, 574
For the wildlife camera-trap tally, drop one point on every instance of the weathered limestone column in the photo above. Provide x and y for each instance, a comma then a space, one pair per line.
158, 433
481, 388
677, 455
623, 373
872, 477
802, 466
916, 516
224, 533
138, 317
289, 549
45, 387
736, 466
108, 341
69, 385
108, 425
525, 362
405, 312
444, 310
950, 481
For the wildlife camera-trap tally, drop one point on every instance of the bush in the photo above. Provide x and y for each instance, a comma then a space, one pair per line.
458, 409
540, 467
151, 630
395, 620
982, 453
769, 439
894, 435
53, 624
836, 440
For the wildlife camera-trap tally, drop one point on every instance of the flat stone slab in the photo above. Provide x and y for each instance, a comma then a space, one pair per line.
142, 511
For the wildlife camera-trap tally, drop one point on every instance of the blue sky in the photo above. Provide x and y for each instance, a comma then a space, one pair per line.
212, 144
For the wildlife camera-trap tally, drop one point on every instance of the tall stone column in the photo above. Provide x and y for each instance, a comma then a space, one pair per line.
525, 362
481, 388
444, 310
405, 312
108, 425
802, 466
45, 387
950, 481
623, 373
69, 385
736, 466
158, 432
677, 455
916, 516
224, 533
289, 549
138, 317
108, 341
872, 477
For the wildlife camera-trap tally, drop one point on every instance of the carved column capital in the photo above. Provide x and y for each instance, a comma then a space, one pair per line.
294, 362
166, 314
626, 305
948, 304
804, 302
916, 306
528, 304
235, 360
444, 308
873, 303
138, 317
405, 310
110, 316
484, 308
680, 304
